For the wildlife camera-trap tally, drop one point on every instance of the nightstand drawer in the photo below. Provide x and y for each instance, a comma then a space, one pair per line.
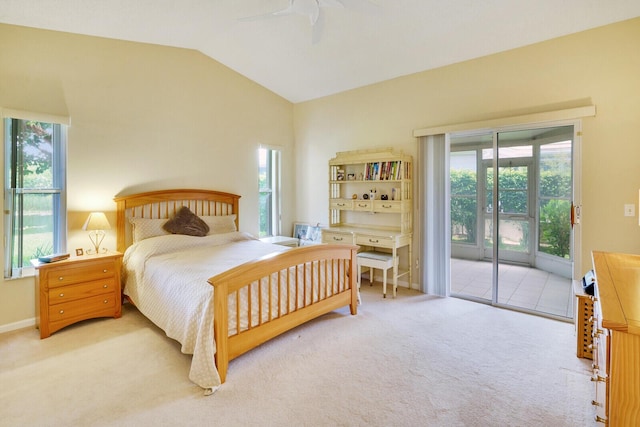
80, 308
79, 273
70, 293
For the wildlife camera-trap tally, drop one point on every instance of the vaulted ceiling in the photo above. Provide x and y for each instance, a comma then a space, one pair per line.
365, 42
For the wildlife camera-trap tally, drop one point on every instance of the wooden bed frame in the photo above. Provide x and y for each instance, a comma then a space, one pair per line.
306, 264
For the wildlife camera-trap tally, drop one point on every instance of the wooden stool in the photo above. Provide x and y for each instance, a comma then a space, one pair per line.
381, 260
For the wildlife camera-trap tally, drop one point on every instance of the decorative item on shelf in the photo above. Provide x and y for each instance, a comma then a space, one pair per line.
365, 196
372, 194
384, 197
360, 177
96, 224
351, 177
340, 176
395, 193
354, 196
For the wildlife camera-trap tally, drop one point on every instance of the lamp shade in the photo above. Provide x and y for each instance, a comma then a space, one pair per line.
96, 221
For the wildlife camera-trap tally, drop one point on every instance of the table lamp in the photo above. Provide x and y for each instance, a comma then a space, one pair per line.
96, 224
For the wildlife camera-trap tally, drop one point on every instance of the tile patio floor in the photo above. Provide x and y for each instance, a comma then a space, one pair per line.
518, 286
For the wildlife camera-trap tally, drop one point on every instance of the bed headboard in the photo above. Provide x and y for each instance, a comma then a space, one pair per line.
165, 203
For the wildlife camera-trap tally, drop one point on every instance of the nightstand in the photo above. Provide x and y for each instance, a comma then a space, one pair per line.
77, 289
281, 240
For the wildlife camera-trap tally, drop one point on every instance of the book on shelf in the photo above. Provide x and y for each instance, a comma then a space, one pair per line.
386, 171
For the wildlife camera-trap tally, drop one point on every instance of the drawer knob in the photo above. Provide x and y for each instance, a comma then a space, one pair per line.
61, 312
105, 270
362, 206
106, 301
61, 295
60, 278
105, 286
373, 240
387, 206
338, 239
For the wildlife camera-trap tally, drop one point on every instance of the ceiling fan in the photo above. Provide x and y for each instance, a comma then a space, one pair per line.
309, 8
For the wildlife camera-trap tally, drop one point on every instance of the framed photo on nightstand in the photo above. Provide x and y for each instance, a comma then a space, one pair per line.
307, 234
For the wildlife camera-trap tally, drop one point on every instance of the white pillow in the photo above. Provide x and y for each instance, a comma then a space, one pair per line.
220, 224
144, 228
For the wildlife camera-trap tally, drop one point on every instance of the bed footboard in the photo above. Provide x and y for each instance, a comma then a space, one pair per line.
261, 299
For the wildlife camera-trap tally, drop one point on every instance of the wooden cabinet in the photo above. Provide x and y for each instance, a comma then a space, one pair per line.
77, 289
370, 202
616, 330
584, 319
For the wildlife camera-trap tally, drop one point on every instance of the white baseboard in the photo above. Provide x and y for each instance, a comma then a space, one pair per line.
26, 323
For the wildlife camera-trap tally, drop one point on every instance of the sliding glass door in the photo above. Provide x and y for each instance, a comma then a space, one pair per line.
513, 211
511, 239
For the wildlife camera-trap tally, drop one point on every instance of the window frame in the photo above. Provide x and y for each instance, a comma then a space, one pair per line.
58, 188
273, 166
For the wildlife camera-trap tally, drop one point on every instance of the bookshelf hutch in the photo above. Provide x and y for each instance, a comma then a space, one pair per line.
370, 202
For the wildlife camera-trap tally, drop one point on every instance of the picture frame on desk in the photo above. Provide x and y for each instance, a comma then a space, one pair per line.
307, 234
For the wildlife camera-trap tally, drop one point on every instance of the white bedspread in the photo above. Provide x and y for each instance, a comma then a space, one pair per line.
166, 277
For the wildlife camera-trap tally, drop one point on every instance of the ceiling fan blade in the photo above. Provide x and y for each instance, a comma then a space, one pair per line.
278, 13
317, 29
330, 3
309, 8
313, 10
313, 16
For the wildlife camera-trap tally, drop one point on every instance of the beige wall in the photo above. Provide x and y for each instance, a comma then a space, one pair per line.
146, 117
599, 67
143, 117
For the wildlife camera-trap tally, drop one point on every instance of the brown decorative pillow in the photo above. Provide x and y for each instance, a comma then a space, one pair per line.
186, 222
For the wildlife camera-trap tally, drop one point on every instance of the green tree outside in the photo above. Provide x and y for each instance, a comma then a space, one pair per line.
555, 209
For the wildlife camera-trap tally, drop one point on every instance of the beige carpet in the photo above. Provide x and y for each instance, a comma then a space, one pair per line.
414, 360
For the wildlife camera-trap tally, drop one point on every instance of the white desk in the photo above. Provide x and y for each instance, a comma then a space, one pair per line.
373, 238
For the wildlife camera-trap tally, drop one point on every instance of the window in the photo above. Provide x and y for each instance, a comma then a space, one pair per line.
269, 187
463, 166
35, 198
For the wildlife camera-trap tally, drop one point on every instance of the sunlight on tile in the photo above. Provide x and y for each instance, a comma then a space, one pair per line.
518, 286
